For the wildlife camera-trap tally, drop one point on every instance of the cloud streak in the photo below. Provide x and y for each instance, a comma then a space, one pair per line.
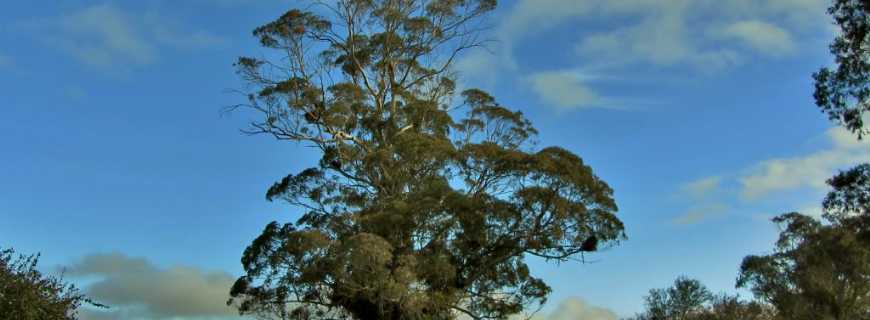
564, 90
108, 37
773, 178
668, 32
703, 193
764, 37
698, 214
702, 36
701, 188
805, 171
103, 35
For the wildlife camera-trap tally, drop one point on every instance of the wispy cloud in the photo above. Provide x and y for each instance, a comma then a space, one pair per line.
135, 288
805, 171
703, 36
103, 35
697, 214
564, 90
705, 200
774, 179
764, 37
109, 37
705, 197
660, 34
172, 33
668, 32
702, 187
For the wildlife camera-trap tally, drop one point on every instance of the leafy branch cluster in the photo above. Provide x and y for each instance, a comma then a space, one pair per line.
27, 294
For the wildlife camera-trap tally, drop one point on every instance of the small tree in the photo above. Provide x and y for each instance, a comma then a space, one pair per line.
689, 299
26, 294
844, 93
685, 298
419, 208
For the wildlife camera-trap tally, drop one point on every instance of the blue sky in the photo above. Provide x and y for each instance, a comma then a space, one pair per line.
116, 155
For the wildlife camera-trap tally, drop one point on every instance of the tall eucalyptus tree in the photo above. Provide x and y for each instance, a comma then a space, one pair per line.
426, 202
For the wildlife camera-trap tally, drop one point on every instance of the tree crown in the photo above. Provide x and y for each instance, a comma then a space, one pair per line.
419, 208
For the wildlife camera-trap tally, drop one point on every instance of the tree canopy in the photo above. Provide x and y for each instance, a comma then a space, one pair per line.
843, 93
820, 269
27, 294
426, 202
689, 299
686, 297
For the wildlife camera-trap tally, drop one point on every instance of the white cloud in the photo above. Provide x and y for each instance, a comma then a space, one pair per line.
700, 213
563, 90
106, 36
774, 180
798, 14
135, 288
103, 35
168, 32
656, 33
576, 309
702, 187
666, 34
617, 37
658, 38
807, 171
761, 36
528, 17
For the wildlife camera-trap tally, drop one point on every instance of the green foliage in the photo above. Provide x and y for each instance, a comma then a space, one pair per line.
725, 307
26, 294
685, 298
843, 93
819, 270
419, 208
689, 299
850, 195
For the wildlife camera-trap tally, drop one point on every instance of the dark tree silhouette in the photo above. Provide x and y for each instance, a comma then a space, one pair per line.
843, 93
850, 195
